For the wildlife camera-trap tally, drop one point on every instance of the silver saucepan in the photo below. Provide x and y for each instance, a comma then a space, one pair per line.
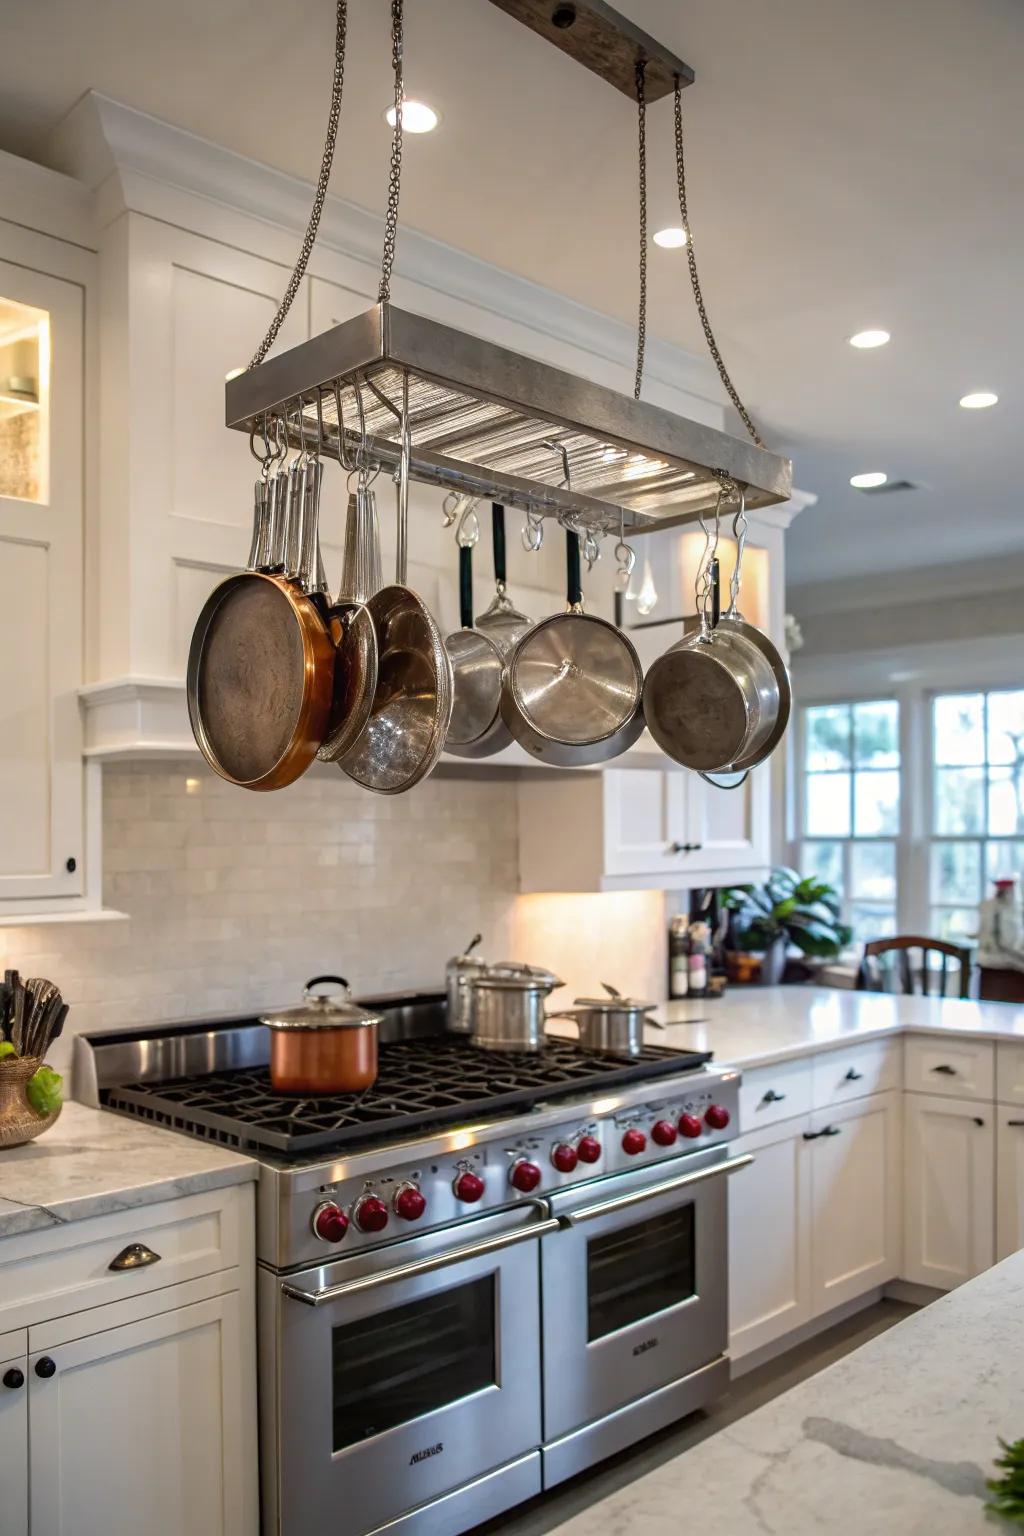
612, 1025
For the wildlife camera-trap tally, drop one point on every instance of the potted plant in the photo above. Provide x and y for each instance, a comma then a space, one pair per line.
787, 909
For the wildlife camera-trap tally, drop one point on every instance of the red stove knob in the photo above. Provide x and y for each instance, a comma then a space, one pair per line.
664, 1133
634, 1142
564, 1157
524, 1176
588, 1149
371, 1214
468, 1187
690, 1126
717, 1117
409, 1203
329, 1222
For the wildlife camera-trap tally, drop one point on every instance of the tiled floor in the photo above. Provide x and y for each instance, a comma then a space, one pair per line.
545, 1513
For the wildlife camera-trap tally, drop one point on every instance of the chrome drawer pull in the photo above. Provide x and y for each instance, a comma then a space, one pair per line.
421, 1266
668, 1186
135, 1256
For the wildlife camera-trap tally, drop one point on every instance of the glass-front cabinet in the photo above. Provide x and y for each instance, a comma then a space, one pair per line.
41, 514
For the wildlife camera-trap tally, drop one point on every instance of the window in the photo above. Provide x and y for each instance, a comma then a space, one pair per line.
851, 808
977, 821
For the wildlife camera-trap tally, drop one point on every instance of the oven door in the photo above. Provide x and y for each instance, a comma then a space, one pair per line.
405, 1372
634, 1287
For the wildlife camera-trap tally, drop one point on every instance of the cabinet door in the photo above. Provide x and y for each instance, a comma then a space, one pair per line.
769, 1239
41, 408
143, 1427
645, 821
950, 1178
14, 1447
1009, 1182
855, 1179
729, 828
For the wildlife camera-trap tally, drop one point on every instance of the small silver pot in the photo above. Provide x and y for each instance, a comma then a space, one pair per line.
460, 971
613, 1025
507, 1007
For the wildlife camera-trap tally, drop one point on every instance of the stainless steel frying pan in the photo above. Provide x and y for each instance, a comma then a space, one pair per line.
476, 729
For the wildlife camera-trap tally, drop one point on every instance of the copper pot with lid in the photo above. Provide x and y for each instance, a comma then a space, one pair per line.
328, 1045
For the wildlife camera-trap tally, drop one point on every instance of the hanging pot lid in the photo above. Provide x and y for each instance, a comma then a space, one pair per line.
323, 1010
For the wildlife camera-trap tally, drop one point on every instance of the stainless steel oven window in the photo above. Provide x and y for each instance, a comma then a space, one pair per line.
638, 1270
411, 1360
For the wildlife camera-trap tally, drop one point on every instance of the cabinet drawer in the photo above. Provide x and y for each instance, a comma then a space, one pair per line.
948, 1065
48, 1274
855, 1071
769, 1094
1010, 1073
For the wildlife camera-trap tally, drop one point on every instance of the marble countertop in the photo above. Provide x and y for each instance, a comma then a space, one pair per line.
897, 1437
92, 1162
754, 1026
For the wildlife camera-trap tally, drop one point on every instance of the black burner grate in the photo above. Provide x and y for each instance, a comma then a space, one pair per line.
425, 1082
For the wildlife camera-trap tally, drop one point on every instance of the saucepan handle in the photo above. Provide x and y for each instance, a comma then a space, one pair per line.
466, 586
716, 592
573, 583
498, 538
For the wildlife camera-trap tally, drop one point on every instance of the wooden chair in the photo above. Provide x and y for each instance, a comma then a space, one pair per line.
871, 975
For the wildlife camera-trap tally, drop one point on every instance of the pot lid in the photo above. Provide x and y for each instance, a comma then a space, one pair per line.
323, 1010
512, 976
614, 1002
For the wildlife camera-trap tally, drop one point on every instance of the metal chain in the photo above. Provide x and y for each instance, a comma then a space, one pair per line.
395, 174
641, 326
695, 281
341, 23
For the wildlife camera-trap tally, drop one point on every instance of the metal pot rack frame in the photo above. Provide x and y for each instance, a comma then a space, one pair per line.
486, 422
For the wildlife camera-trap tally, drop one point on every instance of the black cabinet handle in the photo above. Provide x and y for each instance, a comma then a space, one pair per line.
978, 1120
946, 1071
771, 1097
853, 1076
46, 1367
1015, 1122
829, 1130
13, 1379
685, 847
135, 1256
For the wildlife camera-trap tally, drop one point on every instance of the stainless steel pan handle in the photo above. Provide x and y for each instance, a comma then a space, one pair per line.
666, 1187
422, 1266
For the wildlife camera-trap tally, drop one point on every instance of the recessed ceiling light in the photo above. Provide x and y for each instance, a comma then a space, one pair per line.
978, 401
417, 117
869, 479
864, 339
672, 238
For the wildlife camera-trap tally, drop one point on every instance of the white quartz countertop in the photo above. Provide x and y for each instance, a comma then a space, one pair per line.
899, 1437
754, 1026
92, 1162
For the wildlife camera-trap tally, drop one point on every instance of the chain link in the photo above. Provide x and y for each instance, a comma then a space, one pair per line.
299, 270
695, 281
395, 173
641, 325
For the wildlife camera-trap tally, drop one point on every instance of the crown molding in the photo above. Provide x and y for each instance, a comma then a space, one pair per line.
134, 162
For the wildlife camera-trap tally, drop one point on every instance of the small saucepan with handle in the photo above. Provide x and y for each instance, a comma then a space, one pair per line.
612, 1025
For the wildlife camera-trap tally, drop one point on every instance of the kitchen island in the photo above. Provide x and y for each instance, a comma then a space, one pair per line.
897, 1437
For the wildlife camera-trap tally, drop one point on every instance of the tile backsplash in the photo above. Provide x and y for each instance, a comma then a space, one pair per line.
234, 899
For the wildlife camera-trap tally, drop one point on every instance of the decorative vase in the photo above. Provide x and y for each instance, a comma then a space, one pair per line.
773, 963
19, 1122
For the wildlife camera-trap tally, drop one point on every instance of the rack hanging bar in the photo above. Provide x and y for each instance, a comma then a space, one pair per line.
604, 41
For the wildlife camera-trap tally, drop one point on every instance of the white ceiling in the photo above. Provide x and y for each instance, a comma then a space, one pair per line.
854, 163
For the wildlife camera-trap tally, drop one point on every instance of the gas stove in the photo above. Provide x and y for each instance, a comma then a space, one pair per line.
426, 1246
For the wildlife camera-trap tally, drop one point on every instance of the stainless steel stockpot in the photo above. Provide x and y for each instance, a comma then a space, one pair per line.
506, 1007
613, 1025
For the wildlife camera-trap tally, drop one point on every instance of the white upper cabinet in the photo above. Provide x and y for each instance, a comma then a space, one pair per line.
41, 513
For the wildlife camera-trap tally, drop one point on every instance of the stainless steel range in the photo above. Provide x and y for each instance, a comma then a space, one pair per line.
476, 1278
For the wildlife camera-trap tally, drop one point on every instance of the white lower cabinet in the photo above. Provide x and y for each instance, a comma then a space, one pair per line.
13, 1442
770, 1239
140, 1427
856, 1214
949, 1166
1009, 1180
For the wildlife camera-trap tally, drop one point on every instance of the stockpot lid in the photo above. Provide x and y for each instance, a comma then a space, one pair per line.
323, 1010
512, 976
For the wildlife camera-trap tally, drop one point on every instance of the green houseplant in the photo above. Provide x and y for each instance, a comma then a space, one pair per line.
788, 909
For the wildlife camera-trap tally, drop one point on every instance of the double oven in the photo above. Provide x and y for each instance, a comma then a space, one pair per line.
423, 1386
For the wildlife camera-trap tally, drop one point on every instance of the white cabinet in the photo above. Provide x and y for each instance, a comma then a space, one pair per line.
13, 1439
1009, 1180
41, 506
856, 1215
658, 828
950, 1183
141, 1427
770, 1239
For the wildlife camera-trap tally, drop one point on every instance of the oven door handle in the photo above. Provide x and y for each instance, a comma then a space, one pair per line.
666, 1187
422, 1266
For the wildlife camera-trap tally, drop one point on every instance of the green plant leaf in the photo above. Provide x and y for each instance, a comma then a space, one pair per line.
43, 1091
1007, 1499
